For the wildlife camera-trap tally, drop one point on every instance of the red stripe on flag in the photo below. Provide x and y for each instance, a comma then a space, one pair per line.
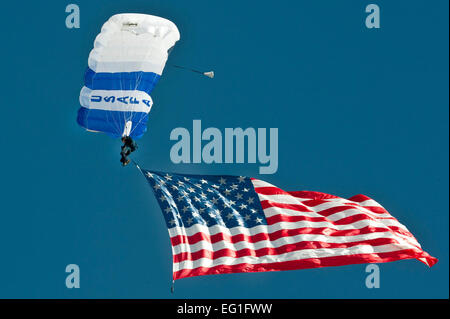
298, 207
273, 251
359, 198
343, 221
326, 231
309, 263
312, 195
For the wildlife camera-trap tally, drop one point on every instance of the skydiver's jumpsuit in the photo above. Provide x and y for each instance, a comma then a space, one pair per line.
127, 148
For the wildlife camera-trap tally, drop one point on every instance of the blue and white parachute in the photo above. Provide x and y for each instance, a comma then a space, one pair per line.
127, 61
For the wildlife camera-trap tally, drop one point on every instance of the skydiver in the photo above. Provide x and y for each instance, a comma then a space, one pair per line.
127, 148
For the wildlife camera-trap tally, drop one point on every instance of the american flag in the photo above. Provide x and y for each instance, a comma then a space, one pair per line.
229, 224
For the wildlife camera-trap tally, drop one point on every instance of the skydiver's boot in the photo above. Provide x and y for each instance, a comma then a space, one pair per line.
124, 161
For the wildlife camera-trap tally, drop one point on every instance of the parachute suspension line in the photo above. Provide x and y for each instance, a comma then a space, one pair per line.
138, 82
121, 69
128, 113
209, 74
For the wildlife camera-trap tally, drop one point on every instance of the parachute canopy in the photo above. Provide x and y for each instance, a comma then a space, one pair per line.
127, 61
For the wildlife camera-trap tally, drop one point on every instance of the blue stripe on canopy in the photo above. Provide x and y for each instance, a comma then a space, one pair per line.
141, 81
112, 122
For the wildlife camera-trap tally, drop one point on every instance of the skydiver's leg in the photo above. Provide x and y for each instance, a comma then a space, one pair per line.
124, 160
124, 153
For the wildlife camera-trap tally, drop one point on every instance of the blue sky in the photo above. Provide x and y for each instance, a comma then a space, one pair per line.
358, 111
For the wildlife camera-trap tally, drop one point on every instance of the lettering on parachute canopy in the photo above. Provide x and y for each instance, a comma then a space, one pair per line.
122, 99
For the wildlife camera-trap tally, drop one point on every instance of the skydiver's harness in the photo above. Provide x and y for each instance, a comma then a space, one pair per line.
127, 148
